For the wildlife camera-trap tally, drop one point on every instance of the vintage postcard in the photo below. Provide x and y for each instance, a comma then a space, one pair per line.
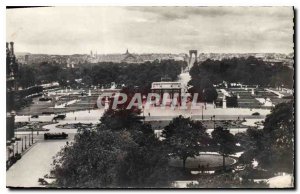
150, 97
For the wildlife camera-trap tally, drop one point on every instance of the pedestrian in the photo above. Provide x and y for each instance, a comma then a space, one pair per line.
202, 168
75, 118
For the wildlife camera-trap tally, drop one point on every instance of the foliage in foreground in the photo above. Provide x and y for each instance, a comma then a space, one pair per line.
185, 138
273, 147
225, 141
114, 156
226, 181
131, 156
104, 158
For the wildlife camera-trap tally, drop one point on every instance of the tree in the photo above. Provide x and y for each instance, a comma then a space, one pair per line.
250, 71
226, 181
231, 101
48, 72
119, 152
102, 73
251, 143
277, 151
210, 94
121, 117
91, 161
87, 80
102, 158
225, 141
26, 76
273, 147
185, 138
205, 89
146, 164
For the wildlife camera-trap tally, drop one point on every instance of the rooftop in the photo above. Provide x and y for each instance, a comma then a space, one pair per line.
166, 85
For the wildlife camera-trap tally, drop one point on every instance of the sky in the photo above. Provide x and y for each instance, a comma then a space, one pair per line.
78, 30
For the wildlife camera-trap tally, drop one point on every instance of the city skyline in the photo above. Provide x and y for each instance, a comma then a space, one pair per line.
145, 53
78, 30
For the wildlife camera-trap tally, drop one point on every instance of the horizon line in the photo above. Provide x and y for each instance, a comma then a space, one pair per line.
20, 52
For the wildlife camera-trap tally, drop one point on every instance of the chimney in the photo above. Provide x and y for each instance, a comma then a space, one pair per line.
12, 48
7, 49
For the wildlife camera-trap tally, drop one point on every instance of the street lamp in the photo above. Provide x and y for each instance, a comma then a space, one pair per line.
22, 144
13, 145
17, 147
25, 142
202, 112
89, 104
143, 113
214, 121
31, 135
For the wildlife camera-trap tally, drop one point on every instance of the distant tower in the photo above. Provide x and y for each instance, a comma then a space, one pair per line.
195, 52
127, 52
68, 63
91, 53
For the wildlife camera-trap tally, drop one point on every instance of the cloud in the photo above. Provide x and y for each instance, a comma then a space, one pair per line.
67, 30
184, 12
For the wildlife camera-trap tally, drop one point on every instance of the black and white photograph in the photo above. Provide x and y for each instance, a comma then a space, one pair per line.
150, 97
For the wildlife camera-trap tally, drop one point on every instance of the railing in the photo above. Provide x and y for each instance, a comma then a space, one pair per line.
18, 146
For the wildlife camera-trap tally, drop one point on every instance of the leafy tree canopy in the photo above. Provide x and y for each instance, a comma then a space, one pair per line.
185, 138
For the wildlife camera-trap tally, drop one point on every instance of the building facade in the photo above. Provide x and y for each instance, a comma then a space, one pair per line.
11, 88
170, 88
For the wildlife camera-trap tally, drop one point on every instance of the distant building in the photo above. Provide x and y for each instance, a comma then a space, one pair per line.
130, 58
11, 88
169, 87
26, 59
